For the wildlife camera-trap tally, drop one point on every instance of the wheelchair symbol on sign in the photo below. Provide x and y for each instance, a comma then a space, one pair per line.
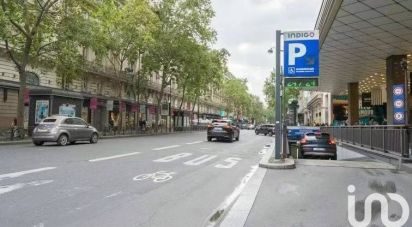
158, 177
291, 70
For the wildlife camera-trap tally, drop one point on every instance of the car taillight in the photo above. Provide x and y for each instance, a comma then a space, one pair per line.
332, 141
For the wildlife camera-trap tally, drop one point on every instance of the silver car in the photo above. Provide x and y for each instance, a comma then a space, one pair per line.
64, 130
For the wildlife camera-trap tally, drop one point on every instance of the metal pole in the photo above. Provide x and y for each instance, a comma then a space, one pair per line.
278, 102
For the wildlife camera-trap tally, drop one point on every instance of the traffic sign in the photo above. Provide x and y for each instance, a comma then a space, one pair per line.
301, 82
301, 55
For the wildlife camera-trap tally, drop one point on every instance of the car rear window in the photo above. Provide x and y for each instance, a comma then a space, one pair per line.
49, 120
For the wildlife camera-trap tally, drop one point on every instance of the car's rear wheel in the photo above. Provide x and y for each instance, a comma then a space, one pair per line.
256, 133
94, 138
63, 140
38, 143
265, 134
209, 138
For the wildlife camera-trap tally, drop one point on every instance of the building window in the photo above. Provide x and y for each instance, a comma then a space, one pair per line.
32, 78
5, 93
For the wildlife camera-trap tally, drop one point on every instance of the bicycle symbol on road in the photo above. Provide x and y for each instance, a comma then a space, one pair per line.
158, 177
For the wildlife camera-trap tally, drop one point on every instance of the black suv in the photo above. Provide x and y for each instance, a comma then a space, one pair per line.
265, 129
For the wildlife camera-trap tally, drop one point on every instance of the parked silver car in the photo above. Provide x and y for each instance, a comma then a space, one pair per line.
64, 130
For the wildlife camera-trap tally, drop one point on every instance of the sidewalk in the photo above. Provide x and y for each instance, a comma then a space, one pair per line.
28, 140
317, 195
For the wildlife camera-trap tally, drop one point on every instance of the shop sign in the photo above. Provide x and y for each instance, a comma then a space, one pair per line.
41, 111
135, 108
93, 103
122, 106
109, 105
398, 103
152, 109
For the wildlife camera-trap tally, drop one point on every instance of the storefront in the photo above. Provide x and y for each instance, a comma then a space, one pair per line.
48, 102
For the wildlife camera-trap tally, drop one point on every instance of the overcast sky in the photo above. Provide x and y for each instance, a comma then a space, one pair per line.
247, 29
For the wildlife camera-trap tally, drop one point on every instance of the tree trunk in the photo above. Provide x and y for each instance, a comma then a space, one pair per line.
20, 100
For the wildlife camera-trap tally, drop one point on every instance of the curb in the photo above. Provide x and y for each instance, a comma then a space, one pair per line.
28, 141
270, 163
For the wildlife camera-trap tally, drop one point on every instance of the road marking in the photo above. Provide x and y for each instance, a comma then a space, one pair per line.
10, 188
218, 214
19, 174
164, 148
158, 177
231, 162
113, 157
172, 157
113, 195
196, 142
200, 160
239, 211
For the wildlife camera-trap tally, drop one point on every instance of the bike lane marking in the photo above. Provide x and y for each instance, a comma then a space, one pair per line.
113, 157
19, 174
164, 148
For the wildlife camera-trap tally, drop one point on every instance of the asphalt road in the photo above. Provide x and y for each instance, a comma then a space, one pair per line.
170, 180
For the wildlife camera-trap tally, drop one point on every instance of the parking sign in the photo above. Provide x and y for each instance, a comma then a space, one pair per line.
301, 54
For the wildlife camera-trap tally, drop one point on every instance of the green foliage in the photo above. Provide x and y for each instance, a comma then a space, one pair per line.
40, 33
269, 90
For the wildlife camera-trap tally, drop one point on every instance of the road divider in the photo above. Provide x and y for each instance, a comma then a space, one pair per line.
113, 157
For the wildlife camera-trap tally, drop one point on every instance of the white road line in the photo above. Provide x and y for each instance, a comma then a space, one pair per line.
113, 157
10, 188
196, 142
18, 174
164, 148
224, 207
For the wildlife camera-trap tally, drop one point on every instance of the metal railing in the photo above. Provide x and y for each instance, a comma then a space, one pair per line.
386, 138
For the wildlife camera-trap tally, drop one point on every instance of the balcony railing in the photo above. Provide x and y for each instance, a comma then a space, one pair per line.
386, 138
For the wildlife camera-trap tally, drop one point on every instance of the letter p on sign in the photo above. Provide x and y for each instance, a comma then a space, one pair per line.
296, 50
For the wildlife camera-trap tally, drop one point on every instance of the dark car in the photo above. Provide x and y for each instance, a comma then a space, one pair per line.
222, 129
317, 145
265, 129
64, 130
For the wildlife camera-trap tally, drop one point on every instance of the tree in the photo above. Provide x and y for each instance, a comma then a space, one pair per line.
269, 90
237, 97
182, 24
122, 32
32, 35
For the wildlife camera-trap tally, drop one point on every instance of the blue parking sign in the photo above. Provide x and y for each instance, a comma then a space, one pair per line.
301, 54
